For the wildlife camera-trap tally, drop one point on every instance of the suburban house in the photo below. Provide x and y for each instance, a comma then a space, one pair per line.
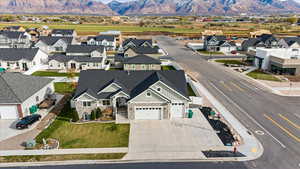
18, 93
15, 28
132, 42
290, 42
265, 40
34, 33
86, 50
12, 39
21, 59
109, 41
141, 62
64, 32
141, 50
279, 61
116, 34
137, 95
64, 63
50, 44
219, 44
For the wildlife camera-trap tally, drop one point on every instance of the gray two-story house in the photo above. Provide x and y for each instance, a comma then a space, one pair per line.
13, 39
139, 95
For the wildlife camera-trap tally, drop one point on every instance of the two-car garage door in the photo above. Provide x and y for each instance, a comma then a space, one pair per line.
9, 112
148, 113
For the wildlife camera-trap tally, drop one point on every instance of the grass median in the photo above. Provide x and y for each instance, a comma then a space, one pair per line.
52, 74
39, 158
260, 75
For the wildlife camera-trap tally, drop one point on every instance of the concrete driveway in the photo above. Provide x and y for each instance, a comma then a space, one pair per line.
172, 139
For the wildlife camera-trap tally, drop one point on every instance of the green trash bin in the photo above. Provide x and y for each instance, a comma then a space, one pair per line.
33, 109
190, 114
212, 113
2, 70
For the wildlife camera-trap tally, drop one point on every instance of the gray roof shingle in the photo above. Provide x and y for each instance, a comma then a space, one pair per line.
110, 38
63, 58
144, 50
15, 54
16, 87
63, 31
84, 48
141, 59
13, 34
132, 83
51, 40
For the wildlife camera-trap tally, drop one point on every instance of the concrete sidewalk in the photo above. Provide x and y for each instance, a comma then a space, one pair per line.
64, 151
251, 147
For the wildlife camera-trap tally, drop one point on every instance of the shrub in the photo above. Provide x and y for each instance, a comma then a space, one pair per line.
98, 113
93, 115
112, 127
75, 116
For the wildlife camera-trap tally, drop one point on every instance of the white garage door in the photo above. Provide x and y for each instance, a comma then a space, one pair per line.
8, 112
148, 113
177, 110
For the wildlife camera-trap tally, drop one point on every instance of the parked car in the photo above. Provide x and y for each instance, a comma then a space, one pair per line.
234, 52
27, 121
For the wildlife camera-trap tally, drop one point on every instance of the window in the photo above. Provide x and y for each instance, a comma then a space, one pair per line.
37, 99
158, 89
148, 94
106, 102
86, 104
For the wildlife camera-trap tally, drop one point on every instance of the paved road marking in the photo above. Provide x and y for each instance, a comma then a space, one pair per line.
226, 86
237, 86
289, 121
282, 128
250, 117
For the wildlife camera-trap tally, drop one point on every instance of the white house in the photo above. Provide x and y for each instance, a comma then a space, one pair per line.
22, 59
51, 44
109, 41
18, 93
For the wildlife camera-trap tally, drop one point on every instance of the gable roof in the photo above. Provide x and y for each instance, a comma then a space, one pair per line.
63, 31
137, 42
218, 38
16, 87
63, 58
141, 59
265, 37
143, 50
13, 34
15, 54
84, 48
291, 40
132, 83
51, 40
102, 37
231, 43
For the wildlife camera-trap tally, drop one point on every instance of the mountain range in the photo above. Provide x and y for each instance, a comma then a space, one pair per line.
150, 7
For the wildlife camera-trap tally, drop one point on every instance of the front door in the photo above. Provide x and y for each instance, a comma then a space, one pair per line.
73, 66
25, 67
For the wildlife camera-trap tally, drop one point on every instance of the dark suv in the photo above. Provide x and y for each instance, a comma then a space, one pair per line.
27, 121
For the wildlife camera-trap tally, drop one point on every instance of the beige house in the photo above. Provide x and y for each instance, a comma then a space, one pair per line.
141, 62
136, 95
141, 50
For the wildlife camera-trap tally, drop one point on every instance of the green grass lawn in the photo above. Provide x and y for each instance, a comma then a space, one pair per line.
190, 90
233, 62
37, 158
64, 87
210, 53
168, 68
257, 74
51, 74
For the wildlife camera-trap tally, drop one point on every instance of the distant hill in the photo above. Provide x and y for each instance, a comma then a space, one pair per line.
205, 7
55, 6
142, 7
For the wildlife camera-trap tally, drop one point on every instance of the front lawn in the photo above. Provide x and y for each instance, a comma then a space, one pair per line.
64, 87
52, 74
37, 158
190, 90
231, 62
257, 74
210, 53
168, 68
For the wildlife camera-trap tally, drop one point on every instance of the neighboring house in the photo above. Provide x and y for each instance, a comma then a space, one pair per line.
109, 41
75, 63
279, 61
265, 40
64, 32
219, 44
15, 28
138, 95
18, 93
86, 50
12, 39
34, 33
51, 44
290, 42
116, 34
21, 59
132, 42
142, 50
141, 62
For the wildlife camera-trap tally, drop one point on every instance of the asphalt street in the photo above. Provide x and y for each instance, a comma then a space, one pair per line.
273, 119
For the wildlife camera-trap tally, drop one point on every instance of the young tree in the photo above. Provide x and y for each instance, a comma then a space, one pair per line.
98, 113
93, 115
75, 116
